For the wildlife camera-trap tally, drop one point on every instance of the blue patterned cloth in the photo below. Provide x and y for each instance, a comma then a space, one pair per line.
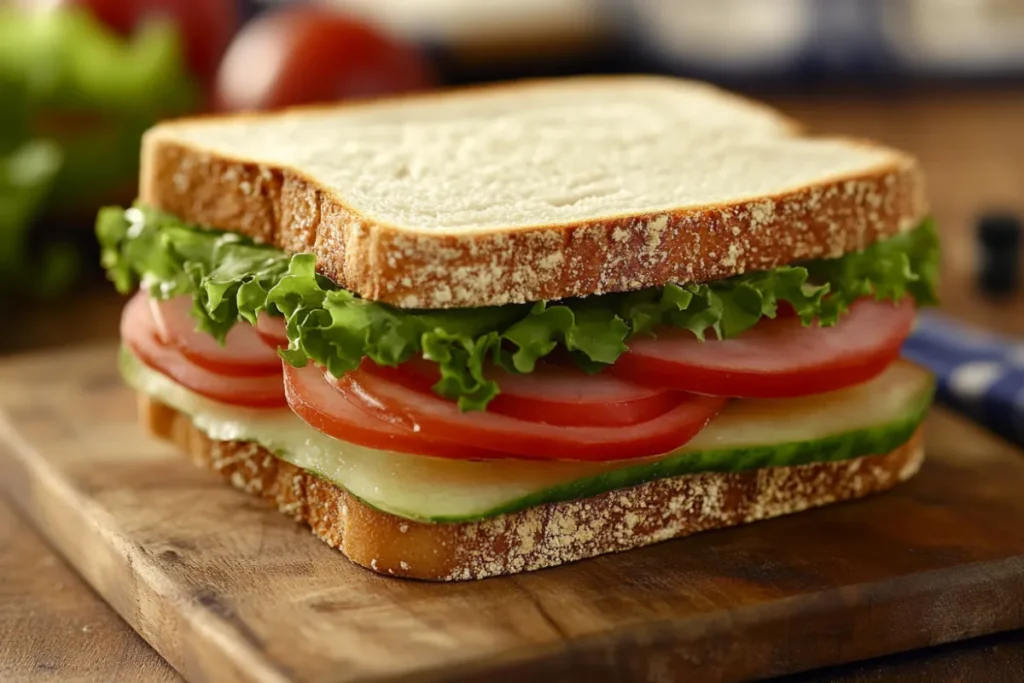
980, 374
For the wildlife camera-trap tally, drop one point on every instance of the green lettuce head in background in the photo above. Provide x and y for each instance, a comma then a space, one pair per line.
76, 99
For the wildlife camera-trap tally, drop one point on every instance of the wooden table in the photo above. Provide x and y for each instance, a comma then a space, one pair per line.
52, 627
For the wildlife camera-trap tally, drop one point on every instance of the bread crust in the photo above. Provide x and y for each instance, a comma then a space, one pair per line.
281, 206
542, 536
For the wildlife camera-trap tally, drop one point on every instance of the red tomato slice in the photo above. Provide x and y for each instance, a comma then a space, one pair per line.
436, 419
139, 332
322, 407
552, 394
776, 358
244, 353
271, 329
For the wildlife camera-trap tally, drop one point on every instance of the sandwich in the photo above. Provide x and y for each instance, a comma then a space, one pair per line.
490, 330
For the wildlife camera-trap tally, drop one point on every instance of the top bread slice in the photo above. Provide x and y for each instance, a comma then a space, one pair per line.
533, 190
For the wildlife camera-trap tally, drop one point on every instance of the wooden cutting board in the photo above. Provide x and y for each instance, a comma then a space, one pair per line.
53, 629
229, 590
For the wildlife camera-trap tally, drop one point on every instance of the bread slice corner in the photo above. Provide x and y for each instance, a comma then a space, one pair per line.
543, 536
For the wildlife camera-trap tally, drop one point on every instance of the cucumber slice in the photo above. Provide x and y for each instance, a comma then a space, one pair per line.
872, 418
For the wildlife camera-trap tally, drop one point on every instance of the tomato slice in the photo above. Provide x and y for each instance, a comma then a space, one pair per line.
139, 333
777, 358
436, 419
271, 329
325, 409
244, 353
552, 394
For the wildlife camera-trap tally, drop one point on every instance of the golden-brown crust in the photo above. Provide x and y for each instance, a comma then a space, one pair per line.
542, 536
281, 206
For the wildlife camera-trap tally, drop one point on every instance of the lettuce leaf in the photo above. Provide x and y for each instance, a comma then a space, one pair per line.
233, 279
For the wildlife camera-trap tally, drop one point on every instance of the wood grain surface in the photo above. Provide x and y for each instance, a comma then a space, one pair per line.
997, 658
226, 589
53, 628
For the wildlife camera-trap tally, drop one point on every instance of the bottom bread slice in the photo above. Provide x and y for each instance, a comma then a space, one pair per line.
537, 537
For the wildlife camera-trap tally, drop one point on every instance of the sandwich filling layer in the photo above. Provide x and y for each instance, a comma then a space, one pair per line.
451, 415
872, 418
233, 281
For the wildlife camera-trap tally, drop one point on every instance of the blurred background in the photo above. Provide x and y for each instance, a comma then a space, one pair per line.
81, 79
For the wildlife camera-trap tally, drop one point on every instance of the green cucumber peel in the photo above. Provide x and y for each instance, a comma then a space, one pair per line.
903, 417
854, 444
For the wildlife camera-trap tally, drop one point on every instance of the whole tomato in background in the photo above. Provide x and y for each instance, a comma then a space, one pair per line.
301, 54
206, 26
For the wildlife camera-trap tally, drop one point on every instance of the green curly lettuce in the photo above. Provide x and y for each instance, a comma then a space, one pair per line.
233, 279
76, 99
